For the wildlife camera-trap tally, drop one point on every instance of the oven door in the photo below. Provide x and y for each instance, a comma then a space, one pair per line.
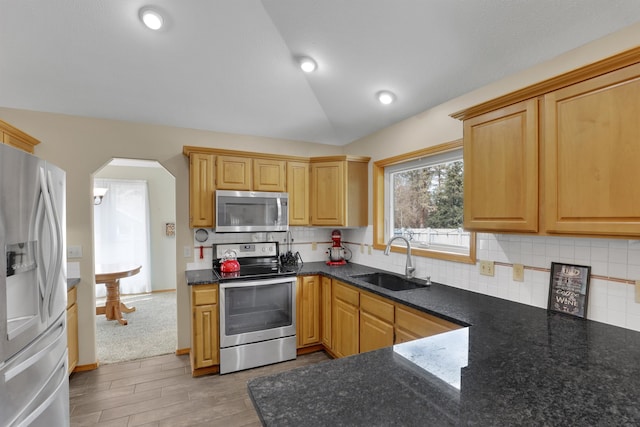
256, 310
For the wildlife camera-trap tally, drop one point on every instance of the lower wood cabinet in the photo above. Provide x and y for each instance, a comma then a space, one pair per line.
72, 328
362, 321
308, 308
325, 315
345, 325
205, 348
376, 323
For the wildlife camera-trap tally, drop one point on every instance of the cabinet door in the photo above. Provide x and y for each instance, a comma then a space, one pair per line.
308, 303
501, 169
201, 190
327, 193
298, 189
205, 334
376, 323
345, 323
592, 153
326, 312
72, 336
269, 175
233, 173
411, 324
375, 333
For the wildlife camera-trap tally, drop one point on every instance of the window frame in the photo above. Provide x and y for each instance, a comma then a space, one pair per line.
379, 208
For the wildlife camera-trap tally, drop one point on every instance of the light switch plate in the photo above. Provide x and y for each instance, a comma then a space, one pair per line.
361, 248
314, 246
187, 251
638, 291
370, 250
74, 251
487, 268
518, 272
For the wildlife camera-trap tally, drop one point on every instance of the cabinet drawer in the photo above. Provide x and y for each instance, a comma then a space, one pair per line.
422, 325
203, 295
380, 309
72, 296
346, 294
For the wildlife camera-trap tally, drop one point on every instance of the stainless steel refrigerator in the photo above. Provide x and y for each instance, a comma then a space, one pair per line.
34, 385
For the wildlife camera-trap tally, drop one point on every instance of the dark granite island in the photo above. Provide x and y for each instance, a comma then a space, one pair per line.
515, 365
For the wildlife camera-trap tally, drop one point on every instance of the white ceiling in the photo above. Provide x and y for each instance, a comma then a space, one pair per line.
228, 65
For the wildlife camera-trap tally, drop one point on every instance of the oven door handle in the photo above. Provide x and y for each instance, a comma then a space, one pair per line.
263, 282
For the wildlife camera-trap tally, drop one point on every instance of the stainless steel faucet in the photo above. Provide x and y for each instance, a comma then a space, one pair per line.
410, 270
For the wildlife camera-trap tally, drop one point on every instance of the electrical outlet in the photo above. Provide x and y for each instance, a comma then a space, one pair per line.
518, 272
74, 251
638, 291
370, 250
487, 268
361, 248
187, 251
314, 246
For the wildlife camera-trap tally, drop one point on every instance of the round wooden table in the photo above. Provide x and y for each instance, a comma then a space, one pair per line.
110, 275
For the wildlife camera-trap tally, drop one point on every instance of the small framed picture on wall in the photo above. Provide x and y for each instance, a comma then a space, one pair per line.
569, 289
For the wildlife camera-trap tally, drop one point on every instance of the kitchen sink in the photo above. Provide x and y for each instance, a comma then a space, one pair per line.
391, 281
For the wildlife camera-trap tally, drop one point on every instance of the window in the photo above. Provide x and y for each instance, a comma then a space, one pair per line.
419, 196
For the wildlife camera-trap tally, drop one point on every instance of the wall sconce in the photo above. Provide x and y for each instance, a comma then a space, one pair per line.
98, 194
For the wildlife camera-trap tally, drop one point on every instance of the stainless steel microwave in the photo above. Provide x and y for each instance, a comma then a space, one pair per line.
251, 211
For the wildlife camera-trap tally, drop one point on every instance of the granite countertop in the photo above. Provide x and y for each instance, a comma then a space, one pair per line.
72, 282
513, 365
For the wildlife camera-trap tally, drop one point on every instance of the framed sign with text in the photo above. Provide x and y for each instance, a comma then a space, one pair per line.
569, 289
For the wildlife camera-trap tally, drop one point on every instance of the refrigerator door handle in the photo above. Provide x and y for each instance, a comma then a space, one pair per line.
55, 225
50, 272
23, 366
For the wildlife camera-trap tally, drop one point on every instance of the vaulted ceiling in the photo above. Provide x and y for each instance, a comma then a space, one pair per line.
230, 65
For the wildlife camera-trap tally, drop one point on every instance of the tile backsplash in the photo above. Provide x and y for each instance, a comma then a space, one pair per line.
610, 301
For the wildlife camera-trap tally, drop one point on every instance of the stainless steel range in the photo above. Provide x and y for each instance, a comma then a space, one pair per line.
257, 307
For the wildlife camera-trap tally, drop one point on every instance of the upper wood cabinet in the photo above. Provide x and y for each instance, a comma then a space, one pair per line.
233, 173
269, 175
201, 190
339, 191
501, 169
586, 135
592, 156
298, 189
16, 138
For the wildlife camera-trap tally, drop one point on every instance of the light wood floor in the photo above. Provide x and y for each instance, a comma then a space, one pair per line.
159, 391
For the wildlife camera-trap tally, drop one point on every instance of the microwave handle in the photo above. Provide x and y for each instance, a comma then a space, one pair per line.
279, 203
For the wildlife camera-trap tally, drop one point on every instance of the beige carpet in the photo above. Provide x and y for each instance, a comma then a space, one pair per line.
151, 329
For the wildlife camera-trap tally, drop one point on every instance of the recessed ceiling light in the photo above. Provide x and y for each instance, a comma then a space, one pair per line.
151, 18
307, 64
385, 97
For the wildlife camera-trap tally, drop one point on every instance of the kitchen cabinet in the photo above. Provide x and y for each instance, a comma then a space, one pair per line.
574, 136
325, 315
205, 348
376, 323
412, 324
201, 190
16, 138
233, 173
298, 189
72, 328
269, 175
339, 191
345, 325
308, 308
592, 153
501, 169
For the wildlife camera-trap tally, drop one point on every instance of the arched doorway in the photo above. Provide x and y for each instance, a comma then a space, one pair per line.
137, 188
